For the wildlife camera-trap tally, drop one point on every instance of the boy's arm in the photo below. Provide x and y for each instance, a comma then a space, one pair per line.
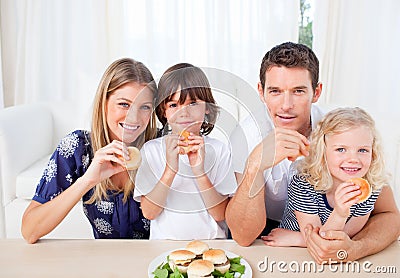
213, 200
153, 203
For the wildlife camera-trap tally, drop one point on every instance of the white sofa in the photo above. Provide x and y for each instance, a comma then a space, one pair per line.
28, 136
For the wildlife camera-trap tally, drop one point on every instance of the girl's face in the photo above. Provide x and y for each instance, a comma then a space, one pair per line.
128, 112
349, 154
187, 116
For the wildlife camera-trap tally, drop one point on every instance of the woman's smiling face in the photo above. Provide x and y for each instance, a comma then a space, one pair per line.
128, 112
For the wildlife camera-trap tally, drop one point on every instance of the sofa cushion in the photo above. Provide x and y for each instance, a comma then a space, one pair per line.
28, 179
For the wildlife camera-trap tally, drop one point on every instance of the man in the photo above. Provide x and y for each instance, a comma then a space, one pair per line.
288, 87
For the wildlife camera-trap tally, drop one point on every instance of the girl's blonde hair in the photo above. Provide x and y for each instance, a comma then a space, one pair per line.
119, 73
315, 167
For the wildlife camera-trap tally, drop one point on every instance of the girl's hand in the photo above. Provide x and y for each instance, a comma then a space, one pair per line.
283, 237
197, 154
345, 196
107, 162
172, 148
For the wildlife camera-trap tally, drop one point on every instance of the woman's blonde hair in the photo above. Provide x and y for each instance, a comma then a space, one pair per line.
119, 73
315, 167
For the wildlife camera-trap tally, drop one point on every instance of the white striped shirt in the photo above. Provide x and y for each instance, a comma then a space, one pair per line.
303, 197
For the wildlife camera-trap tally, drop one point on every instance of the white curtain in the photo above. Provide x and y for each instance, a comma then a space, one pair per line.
57, 50
1, 81
358, 44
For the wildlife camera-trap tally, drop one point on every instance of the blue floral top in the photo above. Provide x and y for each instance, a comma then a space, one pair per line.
110, 218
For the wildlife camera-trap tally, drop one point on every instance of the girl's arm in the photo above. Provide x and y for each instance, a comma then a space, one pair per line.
284, 237
40, 219
345, 196
304, 219
355, 224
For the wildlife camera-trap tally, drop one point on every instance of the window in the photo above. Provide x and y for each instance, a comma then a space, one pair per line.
305, 22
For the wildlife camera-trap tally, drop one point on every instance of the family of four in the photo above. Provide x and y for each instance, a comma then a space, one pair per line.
284, 178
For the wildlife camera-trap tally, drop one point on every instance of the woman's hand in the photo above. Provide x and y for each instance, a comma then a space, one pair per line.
106, 162
197, 154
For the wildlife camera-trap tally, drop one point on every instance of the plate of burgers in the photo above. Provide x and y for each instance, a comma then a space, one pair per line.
198, 260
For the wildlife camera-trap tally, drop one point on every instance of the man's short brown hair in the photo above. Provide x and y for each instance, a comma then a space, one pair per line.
291, 55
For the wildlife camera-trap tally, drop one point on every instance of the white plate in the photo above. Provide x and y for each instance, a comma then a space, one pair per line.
163, 259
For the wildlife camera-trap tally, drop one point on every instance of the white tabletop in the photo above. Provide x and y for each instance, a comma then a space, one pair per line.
131, 258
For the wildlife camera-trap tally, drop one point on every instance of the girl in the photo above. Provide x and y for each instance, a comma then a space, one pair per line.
185, 193
91, 165
344, 145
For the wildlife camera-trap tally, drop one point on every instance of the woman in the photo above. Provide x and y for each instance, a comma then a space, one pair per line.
91, 165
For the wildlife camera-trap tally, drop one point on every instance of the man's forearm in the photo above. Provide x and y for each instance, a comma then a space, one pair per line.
245, 213
372, 238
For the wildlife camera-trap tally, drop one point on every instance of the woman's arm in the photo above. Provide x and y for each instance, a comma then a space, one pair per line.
40, 219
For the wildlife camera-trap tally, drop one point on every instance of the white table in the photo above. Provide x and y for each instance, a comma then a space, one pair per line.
130, 258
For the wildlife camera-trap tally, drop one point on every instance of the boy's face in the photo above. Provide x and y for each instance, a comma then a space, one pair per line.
288, 95
187, 116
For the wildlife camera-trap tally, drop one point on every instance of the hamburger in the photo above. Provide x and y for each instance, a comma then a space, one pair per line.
180, 259
200, 269
185, 134
365, 188
218, 258
198, 247
135, 159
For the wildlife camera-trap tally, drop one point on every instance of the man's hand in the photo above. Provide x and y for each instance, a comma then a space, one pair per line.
333, 246
278, 145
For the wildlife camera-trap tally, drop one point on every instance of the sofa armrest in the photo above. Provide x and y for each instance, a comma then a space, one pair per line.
25, 137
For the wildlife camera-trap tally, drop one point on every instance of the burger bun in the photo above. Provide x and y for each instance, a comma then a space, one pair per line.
135, 159
200, 269
197, 246
218, 258
365, 188
180, 259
